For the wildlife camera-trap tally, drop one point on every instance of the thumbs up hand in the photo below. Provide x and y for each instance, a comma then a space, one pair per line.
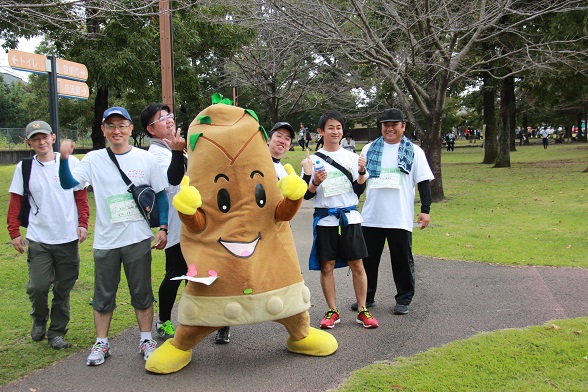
188, 199
292, 186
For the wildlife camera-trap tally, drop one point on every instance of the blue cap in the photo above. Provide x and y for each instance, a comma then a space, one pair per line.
116, 110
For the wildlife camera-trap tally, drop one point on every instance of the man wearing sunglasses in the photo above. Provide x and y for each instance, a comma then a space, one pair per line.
166, 140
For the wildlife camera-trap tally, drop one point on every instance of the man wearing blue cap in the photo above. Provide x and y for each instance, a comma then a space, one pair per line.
122, 235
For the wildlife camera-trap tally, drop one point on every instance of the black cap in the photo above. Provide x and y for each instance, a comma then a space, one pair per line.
285, 125
392, 114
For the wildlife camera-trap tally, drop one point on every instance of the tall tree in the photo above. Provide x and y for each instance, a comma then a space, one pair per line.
423, 47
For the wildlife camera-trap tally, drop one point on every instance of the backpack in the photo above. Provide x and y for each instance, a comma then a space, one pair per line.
25, 207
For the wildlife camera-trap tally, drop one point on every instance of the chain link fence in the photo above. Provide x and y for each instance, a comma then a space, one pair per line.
14, 138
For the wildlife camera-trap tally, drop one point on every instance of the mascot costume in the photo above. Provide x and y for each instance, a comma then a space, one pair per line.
236, 239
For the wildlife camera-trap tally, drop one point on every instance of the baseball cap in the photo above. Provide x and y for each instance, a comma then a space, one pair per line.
392, 114
38, 126
285, 125
116, 110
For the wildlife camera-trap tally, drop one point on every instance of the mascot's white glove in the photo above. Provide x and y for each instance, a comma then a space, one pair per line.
292, 186
188, 199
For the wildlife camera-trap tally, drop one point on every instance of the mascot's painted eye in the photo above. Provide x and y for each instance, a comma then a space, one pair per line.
223, 200
260, 195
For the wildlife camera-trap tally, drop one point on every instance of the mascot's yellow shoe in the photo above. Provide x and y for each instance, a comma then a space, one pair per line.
168, 359
317, 344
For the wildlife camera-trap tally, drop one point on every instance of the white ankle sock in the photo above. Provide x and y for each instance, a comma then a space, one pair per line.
145, 336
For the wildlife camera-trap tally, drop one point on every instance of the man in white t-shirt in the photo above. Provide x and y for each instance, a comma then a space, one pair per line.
166, 140
122, 236
338, 241
57, 223
395, 166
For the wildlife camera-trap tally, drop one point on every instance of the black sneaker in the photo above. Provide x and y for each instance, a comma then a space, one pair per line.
38, 331
222, 336
368, 304
400, 309
58, 343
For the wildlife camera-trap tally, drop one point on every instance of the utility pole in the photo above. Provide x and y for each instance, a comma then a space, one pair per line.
166, 47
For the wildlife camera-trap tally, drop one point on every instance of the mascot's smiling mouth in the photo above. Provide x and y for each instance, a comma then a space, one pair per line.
242, 250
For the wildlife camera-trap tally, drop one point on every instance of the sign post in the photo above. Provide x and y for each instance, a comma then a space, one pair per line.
65, 80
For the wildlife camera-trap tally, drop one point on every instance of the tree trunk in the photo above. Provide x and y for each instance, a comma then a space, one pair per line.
431, 144
490, 142
509, 87
100, 105
506, 113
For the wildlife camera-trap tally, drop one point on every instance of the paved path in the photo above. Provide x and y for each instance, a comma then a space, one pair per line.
454, 300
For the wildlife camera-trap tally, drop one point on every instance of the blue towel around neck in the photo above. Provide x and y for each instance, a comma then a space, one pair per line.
374, 156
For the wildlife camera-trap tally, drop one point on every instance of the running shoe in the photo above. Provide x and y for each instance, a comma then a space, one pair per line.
165, 330
98, 353
331, 318
366, 319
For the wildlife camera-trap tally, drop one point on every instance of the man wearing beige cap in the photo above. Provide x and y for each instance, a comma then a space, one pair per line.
54, 230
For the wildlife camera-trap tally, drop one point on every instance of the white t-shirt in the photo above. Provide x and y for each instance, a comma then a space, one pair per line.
98, 170
393, 208
164, 156
54, 216
280, 170
336, 191
349, 146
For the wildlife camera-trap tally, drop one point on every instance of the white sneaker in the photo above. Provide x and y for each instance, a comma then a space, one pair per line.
98, 353
147, 347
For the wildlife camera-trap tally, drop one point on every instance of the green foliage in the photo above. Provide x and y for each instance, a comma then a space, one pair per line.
11, 99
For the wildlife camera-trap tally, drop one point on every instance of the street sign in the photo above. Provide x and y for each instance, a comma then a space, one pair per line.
70, 70
72, 89
26, 61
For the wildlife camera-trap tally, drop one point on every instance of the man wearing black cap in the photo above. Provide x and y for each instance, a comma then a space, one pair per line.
395, 166
280, 140
55, 228
123, 236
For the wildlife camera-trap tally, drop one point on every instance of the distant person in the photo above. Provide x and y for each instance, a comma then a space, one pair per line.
450, 141
302, 136
545, 137
57, 223
348, 143
395, 166
338, 241
123, 236
166, 139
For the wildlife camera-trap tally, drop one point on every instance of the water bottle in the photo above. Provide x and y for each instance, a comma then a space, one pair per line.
318, 166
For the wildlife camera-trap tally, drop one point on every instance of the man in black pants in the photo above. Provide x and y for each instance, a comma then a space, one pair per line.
395, 166
159, 124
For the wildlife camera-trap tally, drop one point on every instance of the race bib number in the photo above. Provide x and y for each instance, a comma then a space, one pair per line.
336, 183
122, 208
389, 178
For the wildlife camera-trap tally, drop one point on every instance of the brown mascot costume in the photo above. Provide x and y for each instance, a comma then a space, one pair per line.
236, 239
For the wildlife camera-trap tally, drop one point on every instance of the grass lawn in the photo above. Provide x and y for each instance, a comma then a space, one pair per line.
528, 214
